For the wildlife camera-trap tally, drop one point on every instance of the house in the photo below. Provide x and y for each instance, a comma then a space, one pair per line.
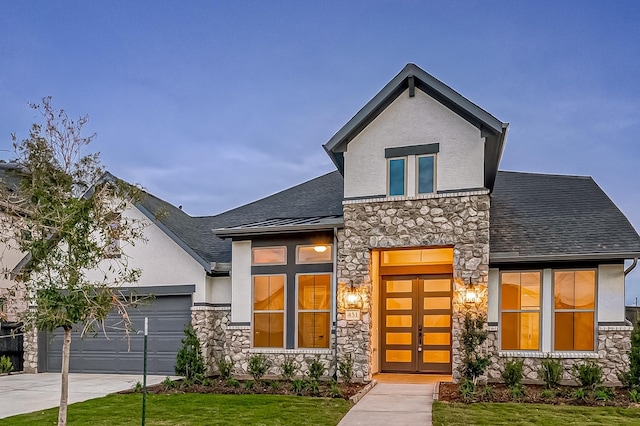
382, 258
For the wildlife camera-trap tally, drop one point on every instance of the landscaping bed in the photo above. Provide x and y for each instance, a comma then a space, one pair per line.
538, 394
300, 387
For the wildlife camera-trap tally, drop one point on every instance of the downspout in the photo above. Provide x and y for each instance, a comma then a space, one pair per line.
631, 267
334, 290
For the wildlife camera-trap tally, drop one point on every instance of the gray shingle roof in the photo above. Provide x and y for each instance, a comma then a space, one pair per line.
542, 217
533, 217
319, 197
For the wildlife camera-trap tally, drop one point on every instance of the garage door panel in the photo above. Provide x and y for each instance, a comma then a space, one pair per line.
167, 315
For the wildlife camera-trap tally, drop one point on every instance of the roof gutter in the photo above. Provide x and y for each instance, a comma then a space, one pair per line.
513, 257
631, 267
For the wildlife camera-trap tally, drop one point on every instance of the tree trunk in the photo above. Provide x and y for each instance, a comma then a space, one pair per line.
64, 390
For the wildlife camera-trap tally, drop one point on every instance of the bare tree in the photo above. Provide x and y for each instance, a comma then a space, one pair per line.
67, 216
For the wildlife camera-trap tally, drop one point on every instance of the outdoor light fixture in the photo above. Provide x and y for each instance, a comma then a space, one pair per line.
470, 295
352, 298
320, 249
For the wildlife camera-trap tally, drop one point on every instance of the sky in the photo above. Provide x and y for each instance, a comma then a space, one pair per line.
214, 104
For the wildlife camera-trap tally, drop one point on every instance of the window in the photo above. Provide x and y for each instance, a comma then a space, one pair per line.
268, 311
520, 310
574, 310
314, 315
319, 253
426, 174
269, 256
397, 172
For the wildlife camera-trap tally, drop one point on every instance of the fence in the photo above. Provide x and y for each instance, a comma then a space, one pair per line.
11, 343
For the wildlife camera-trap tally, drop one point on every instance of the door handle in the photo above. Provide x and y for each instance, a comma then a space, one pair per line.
419, 338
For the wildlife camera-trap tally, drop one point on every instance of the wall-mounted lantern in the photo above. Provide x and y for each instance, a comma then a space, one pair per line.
470, 295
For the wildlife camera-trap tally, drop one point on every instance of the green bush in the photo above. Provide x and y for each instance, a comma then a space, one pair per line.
6, 366
258, 366
225, 368
473, 336
580, 394
248, 385
467, 390
588, 374
604, 394
631, 378
189, 361
167, 383
316, 369
345, 367
516, 391
234, 383
335, 391
550, 372
274, 385
512, 374
548, 393
298, 386
312, 386
289, 369
634, 396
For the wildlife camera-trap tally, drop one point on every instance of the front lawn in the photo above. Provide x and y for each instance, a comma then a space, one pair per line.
194, 409
531, 414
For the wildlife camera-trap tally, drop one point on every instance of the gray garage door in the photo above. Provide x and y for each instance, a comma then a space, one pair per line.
168, 315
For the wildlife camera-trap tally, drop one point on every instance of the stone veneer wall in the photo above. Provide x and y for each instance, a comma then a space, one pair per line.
614, 344
30, 347
218, 338
460, 220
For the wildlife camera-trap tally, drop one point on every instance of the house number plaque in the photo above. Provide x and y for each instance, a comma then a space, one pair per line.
352, 314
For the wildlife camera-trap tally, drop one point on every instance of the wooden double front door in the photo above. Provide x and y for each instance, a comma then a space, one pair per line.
416, 323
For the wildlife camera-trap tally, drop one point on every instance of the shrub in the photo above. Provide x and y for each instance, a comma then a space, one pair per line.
550, 372
516, 391
167, 383
580, 394
6, 366
473, 336
137, 387
588, 374
512, 374
233, 383
274, 385
634, 396
467, 390
345, 367
289, 369
258, 366
189, 361
298, 386
312, 386
631, 378
548, 393
335, 391
604, 394
487, 393
316, 369
248, 385
225, 368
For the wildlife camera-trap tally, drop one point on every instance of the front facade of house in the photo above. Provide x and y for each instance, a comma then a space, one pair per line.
380, 260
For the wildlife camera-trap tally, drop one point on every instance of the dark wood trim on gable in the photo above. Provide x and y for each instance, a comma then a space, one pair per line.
430, 148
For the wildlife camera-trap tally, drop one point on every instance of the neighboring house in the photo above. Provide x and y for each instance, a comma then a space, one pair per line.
382, 258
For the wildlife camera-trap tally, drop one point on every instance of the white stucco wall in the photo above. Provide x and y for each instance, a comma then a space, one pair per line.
241, 281
415, 121
493, 295
219, 290
161, 260
610, 293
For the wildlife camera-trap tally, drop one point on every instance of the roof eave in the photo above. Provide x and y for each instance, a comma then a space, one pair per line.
269, 230
515, 258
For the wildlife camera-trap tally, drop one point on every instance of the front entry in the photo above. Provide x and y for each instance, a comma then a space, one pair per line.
416, 324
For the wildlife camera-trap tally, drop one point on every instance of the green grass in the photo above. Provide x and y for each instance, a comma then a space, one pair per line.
194, 409
531, 414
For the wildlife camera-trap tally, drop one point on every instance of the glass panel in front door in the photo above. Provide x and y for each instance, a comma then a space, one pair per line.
398, 337
434, 316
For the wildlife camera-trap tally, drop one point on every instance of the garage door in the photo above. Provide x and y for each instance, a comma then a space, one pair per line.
168, 315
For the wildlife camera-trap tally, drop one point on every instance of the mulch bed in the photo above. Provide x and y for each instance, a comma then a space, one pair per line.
535, 394
253, 387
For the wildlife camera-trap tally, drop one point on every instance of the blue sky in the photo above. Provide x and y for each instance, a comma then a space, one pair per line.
211, 105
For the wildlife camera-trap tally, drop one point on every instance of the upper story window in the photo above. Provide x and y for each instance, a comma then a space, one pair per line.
411, 170
269, 255
425, 172
574, 310
397, 174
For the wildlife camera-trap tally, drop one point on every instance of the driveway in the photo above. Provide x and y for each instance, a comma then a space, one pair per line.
25, 393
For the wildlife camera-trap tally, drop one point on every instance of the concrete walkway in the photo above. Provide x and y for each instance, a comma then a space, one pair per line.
394, 402
26, 393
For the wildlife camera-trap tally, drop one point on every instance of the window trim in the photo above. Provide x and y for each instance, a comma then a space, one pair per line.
329, 311
253, 248
298, 262
540, 310
435, 173
284, 312
406, 163
554, 310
